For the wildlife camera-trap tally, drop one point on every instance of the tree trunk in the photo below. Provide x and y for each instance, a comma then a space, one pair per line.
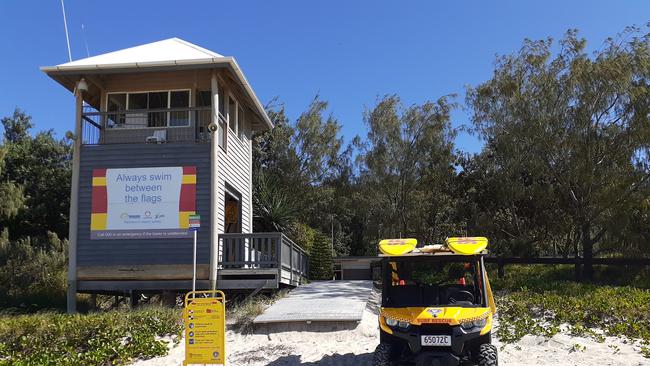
587, 252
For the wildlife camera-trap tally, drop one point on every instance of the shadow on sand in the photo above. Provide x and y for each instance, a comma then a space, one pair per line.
348, 359
317, 326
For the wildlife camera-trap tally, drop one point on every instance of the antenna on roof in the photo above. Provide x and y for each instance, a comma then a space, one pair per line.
83, 31
65, 24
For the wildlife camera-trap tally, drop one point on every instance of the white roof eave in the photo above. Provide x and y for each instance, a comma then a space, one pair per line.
136, 65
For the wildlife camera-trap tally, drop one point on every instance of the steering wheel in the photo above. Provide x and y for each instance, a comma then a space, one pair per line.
460, 295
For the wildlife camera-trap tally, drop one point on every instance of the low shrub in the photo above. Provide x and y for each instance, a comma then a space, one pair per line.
546, 277
539, 301
320, 259
242, 313
32, 272
110, 338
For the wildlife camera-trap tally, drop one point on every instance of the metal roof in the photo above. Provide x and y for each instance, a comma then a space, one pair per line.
161, 52
168, 54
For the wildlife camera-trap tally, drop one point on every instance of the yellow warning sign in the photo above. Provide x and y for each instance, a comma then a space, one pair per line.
205, 328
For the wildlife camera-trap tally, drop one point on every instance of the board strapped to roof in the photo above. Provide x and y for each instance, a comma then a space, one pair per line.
458, 245
397, 246
467, 246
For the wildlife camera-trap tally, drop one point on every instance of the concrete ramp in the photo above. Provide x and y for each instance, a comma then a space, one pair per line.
320, 301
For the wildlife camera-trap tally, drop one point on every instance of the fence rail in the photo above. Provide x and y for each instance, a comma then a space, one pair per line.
578, 262
148, 126
263, 251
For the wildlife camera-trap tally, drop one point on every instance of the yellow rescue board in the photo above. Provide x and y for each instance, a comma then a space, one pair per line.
397, 246
467, 246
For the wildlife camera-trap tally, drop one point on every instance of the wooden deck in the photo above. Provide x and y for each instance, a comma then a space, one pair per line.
251, 261
260, 260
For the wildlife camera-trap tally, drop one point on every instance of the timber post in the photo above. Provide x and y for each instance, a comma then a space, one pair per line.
74, 199
501, 271
578, 269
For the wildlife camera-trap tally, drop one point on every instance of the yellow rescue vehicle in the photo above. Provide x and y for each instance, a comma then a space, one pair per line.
437, 306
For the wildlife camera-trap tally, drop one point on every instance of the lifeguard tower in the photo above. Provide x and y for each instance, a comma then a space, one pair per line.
163, 131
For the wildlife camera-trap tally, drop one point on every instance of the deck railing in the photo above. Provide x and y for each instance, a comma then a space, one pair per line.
148, 126
263, 251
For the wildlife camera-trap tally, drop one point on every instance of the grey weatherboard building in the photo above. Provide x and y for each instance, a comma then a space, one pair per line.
177, 108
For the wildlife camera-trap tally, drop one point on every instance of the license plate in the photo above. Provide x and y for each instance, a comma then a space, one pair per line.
436, 340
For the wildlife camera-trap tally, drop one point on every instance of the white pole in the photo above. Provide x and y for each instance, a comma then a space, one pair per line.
214, 186
67, 38
194, 266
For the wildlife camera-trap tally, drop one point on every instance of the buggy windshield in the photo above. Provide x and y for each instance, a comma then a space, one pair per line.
431, 281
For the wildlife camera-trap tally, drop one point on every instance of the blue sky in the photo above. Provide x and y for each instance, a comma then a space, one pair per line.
349, 52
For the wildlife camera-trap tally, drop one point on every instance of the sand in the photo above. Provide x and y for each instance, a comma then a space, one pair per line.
322, 345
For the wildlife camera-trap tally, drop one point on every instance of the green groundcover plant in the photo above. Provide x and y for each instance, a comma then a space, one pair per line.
539, 301
109, 338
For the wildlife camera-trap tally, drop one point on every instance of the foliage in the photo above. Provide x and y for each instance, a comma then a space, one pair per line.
320, 260
294, 162
16, 128
406, 163
111, 338
41, 166
540, 301
565, 169
317, 143
34, 205
303, 234
32, 272
273, 209
408, 148
572, 132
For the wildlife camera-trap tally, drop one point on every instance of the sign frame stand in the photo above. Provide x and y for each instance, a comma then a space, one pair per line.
205, 319
194, 265
194, 223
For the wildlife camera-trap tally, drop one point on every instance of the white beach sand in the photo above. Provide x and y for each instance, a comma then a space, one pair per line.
314, 345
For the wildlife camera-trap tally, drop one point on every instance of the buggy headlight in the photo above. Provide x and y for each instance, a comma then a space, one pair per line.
480, 323
390, 321
396, 323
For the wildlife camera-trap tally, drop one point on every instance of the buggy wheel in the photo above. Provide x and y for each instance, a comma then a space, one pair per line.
487, 355
383, 355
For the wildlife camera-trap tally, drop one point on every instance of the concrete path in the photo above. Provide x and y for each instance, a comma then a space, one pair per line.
329, 301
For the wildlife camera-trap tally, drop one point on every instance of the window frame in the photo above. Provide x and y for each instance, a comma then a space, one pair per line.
232, 122
238, 125
240, 122
168, 91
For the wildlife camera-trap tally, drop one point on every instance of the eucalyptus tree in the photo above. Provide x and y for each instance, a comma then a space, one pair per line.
11, 194
405, 162
34, 204
512, 207
41, 166
578, 124
297, 160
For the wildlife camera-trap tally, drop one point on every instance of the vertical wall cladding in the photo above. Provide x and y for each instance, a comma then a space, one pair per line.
235, 168
143, 251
